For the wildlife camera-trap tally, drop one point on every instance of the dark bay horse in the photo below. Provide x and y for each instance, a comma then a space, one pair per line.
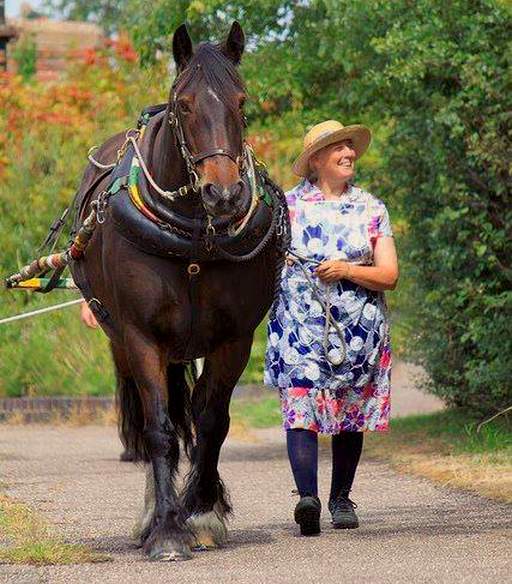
157, 325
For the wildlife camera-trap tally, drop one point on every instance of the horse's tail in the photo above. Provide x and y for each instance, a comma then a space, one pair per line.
130, 418
180, 402
131, 414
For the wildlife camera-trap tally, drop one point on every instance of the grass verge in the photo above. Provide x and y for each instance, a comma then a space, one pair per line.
447, 448
26, 538
261, 412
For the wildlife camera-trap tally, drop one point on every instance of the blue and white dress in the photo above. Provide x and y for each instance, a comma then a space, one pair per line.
317, 393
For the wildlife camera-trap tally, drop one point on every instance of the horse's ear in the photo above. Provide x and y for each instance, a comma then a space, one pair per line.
181, 47
234, 45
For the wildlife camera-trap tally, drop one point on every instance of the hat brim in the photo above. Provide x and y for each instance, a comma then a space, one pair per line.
360, 135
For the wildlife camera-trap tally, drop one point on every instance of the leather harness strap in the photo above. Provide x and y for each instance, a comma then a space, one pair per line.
215, 152
193, 289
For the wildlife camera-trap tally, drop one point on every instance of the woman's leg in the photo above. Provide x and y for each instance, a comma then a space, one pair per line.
303, 454
346, 452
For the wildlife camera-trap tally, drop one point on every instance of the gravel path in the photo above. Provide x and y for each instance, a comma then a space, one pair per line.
411, 530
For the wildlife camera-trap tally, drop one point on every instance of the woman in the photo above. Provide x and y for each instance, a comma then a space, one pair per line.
333, 374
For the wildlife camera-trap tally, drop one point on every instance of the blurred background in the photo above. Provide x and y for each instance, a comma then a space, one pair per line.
432, 79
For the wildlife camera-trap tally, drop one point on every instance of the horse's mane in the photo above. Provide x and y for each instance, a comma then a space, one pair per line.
217, 69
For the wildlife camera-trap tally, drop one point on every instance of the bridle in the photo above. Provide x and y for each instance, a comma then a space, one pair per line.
191, 160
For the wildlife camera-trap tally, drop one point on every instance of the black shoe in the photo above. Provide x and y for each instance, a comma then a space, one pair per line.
343, 514
307, 515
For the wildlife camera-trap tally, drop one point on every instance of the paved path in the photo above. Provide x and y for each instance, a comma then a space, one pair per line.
406, 398
411, 530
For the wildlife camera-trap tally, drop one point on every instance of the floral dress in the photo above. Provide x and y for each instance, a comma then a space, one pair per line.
343, 385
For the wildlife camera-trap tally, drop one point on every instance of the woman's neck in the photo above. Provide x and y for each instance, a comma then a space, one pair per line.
332, 190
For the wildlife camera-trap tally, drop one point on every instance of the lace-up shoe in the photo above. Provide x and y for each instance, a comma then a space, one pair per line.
343, 514
307, 515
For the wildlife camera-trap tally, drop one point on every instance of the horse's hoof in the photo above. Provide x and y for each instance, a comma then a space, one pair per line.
172, 552
204, 542
209, 530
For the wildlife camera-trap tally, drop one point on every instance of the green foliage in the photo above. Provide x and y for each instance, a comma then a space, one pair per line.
456, 432
443, 78
434, 80
25, 56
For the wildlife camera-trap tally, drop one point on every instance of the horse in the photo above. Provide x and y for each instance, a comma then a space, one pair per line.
162, 311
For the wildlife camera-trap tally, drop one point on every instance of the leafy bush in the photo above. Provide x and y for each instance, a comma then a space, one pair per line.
25, 56
433, 79
443, 78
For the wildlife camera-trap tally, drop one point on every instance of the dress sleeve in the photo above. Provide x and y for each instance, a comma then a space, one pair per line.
384, 223
291, 199
380, 224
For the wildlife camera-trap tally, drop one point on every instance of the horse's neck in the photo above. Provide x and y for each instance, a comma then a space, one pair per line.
169, 168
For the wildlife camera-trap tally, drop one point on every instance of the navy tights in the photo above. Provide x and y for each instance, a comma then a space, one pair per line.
303, 454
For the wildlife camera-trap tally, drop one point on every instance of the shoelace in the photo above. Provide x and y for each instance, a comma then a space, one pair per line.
345, 502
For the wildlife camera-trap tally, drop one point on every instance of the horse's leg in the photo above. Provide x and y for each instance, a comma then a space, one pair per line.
166, 537
143, 521
178, 399
131, 432
205, 498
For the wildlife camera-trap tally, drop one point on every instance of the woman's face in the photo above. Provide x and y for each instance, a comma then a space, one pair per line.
335, 162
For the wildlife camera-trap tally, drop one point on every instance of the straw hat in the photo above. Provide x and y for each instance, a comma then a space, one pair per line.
330, 132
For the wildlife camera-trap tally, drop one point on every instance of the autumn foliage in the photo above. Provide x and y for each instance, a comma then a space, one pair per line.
47, 130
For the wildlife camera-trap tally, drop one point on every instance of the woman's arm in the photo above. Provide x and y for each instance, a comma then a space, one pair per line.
383, 275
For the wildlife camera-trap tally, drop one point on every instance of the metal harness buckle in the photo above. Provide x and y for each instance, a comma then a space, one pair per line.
101, 206
193, 269
279, 228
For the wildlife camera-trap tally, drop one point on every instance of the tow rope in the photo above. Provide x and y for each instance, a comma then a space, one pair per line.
40, 311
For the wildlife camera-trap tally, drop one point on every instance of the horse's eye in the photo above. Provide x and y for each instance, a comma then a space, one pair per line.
185, 107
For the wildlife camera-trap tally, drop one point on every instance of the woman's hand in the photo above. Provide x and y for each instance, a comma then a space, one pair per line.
87, 316
333, 270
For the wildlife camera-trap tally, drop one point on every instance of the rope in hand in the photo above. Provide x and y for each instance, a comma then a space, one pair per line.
326, 306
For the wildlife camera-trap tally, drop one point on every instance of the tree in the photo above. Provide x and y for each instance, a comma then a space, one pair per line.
107, 13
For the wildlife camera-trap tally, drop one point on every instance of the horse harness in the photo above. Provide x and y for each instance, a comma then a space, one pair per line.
154, 227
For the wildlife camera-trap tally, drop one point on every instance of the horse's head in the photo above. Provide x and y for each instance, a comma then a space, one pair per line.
207, 102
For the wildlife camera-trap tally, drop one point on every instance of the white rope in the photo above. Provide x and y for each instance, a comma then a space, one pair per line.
326, 306
166, 194
95, 162
254, 200
39, 311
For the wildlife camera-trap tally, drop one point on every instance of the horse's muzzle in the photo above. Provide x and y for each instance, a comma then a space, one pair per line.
224, 201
